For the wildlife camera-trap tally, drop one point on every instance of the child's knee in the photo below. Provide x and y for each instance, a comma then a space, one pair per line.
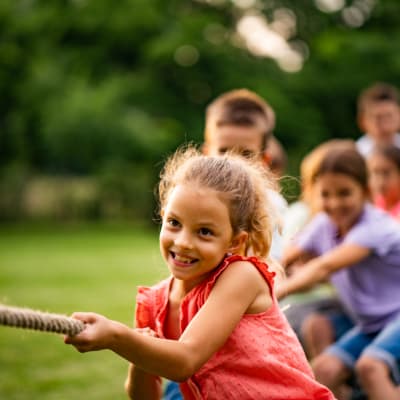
313, 323
369, 369
328, 369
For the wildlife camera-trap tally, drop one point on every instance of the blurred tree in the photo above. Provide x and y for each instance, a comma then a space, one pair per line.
87, 84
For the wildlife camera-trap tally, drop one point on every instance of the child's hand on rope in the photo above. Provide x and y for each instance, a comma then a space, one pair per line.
97, 335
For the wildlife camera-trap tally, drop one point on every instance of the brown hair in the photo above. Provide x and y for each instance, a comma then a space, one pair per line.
378, 92
239, 107
346, 161
241, 182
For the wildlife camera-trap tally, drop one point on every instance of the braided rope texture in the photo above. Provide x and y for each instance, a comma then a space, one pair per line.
38, 320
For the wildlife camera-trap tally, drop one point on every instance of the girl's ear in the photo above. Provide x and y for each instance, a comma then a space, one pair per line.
238, 243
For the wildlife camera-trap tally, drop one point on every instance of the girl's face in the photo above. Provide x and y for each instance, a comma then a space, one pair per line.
384, 177
196, 233
342, 198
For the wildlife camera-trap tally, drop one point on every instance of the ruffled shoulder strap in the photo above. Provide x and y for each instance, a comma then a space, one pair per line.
149, 302
260, 265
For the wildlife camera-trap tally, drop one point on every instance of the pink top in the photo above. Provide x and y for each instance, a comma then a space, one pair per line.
394, 211
261, 359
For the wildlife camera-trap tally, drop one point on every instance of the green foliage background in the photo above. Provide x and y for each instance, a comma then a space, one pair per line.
92, 88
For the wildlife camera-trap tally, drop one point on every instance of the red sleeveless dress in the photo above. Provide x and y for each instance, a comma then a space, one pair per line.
262, 358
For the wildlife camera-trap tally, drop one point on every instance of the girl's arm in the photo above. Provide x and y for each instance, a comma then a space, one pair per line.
294, 258
294, 255
291, 254
141, 385
320, 268
239, 289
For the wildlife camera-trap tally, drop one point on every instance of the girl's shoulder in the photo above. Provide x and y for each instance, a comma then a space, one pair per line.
319, 225
376, 230
260, 265
373, 216
318, 221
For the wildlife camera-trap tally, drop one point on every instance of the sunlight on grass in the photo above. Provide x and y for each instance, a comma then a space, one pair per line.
63, 269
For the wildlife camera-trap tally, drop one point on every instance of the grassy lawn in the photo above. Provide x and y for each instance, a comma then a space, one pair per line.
63, 269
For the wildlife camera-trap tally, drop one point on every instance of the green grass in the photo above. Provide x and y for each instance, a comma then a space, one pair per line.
63, 269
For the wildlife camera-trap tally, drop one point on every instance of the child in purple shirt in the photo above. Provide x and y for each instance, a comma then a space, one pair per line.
357, 247
370, 288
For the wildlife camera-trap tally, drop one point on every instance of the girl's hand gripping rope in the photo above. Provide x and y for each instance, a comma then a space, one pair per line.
98, 334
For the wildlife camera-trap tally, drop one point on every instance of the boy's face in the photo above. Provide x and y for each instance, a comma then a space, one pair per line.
245, 140
381, 120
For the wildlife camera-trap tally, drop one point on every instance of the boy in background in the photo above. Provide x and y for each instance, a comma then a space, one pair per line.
379, 117
238, 119
242, 121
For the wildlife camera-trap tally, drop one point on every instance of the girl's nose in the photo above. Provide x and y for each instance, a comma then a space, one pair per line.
334, 203
183, 240
328, 203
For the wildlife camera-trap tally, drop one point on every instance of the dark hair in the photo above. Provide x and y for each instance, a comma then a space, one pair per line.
378, 92
390, 152
240, 107
346, 161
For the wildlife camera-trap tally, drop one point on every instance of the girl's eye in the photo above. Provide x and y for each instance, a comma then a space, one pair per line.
205, 232
345, 193
324, 195
173, 222
247, 153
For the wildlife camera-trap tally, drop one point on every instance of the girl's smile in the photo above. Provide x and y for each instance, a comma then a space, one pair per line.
182, 261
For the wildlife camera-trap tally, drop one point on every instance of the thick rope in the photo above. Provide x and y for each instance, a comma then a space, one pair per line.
41, 321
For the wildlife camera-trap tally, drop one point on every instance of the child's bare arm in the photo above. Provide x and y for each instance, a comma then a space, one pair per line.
139, 384
320, 268
292, 254
239, 289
